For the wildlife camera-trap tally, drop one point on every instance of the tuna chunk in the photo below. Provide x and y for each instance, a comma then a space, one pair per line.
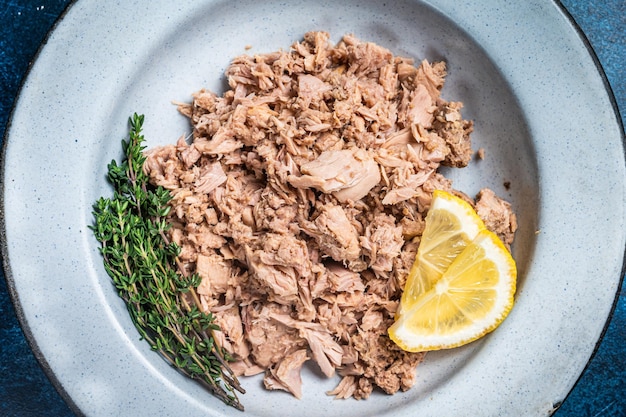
335, 234
270, 340
311, 89
286, 374
456, 133
215, 272
325, 350
497, 214
382, 243
341, 279
280, 282
421, 107
323, 346
346, 388
347, 174
231, 336
209, 178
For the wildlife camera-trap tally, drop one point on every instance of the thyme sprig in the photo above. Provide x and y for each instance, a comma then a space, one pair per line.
144, 266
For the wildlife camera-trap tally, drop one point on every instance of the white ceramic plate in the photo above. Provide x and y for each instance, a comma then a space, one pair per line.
542, 113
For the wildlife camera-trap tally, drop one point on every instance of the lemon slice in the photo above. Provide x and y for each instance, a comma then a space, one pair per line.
473, 295
451, 224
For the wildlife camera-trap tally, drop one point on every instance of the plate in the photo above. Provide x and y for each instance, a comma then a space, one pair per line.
541, 111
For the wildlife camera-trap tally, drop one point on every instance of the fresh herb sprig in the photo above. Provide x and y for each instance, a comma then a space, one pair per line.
160, 294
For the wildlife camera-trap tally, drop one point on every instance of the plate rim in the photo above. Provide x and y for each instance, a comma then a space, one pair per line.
6, 263
616, 113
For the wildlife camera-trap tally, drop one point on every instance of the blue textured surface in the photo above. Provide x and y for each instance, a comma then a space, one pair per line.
25, 389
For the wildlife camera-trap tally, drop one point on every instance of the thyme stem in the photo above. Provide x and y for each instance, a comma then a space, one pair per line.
144, 266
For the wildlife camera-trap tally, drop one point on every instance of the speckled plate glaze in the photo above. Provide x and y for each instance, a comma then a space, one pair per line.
542, 113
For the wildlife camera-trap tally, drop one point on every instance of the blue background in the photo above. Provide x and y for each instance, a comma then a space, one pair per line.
26, 391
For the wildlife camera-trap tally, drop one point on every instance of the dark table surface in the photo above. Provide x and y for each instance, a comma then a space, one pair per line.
26, 391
